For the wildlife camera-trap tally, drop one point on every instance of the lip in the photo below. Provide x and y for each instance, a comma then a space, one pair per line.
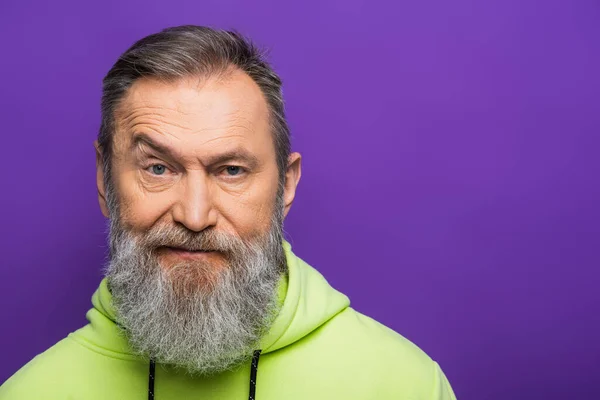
187, 254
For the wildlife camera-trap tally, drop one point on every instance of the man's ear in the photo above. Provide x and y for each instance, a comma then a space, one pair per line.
100, 180
292, 177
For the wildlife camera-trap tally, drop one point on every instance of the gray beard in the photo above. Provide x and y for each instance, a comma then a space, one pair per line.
192, 315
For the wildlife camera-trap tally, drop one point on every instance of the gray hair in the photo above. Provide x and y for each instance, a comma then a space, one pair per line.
190, 50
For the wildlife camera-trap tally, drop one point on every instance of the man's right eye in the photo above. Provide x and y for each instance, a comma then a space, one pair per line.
157, 169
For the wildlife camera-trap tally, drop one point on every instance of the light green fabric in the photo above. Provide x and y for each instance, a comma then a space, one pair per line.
318, 348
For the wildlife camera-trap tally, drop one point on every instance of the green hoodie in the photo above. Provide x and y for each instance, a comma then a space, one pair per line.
317, 348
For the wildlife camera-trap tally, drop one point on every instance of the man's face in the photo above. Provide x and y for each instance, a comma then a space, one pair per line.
195, 153
196, 219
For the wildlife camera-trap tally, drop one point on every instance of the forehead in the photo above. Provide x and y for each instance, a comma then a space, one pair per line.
197, 109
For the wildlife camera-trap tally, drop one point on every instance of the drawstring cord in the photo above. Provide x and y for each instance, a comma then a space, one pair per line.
151, 380
253, 373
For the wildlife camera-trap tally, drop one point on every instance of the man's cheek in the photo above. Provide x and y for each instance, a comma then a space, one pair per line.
142, 209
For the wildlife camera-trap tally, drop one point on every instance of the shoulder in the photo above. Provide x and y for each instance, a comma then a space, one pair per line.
384, 356
76, 368
377, 341
40, 376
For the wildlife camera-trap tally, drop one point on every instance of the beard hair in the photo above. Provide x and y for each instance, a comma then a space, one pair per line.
194, 315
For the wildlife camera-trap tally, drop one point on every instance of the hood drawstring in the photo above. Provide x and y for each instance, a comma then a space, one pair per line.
151, 380
253, 373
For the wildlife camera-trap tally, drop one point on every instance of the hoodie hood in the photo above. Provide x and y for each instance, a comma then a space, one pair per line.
308, 302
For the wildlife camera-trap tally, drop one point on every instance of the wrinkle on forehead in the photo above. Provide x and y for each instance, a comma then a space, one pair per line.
150, 93
185, 106
214, 112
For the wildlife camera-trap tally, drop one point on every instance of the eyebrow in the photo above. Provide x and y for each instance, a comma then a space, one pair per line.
236, 154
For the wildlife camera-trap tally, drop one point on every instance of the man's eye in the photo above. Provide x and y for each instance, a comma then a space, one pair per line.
233, 170
158, 169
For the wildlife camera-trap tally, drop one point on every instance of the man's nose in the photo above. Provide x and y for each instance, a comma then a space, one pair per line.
194, 208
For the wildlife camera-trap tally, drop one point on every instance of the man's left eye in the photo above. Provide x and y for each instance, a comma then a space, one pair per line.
233, 170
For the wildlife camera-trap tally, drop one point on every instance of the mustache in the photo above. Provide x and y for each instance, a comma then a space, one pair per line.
179, 237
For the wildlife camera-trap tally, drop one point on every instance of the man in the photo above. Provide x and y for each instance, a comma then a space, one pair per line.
195, 173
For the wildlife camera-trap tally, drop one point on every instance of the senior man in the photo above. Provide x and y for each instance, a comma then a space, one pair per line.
196, 175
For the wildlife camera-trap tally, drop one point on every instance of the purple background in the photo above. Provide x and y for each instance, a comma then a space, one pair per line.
450, 182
